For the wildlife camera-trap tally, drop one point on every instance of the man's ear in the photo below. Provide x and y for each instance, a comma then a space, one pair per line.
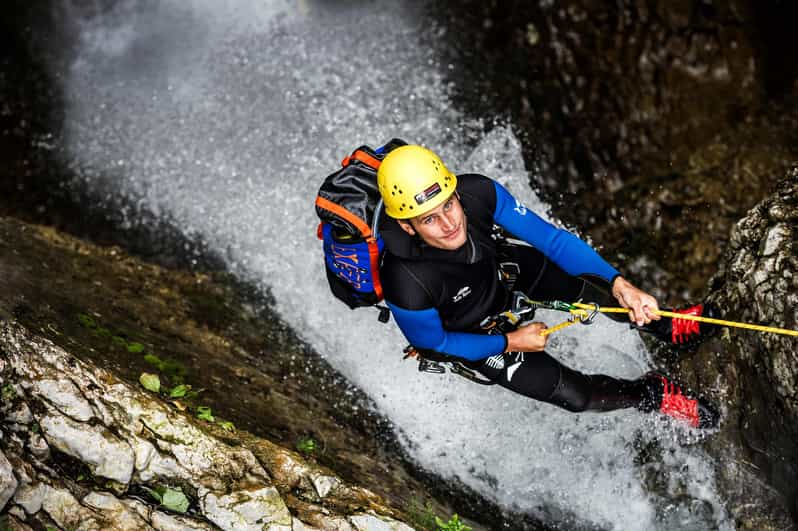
407, 227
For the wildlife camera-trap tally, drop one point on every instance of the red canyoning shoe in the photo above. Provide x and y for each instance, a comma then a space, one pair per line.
697, 412
684, 333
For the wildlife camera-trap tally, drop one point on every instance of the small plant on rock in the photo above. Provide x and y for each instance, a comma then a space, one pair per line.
150, 382
421, 514
9, 393
307, 445
454, 524
172, 499
205, 413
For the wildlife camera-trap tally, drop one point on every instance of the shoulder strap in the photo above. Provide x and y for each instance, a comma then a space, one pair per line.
343, 213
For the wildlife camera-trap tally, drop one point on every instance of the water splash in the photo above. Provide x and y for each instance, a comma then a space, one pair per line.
224, 117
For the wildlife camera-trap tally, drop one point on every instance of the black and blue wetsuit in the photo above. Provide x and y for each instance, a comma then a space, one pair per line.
439, 297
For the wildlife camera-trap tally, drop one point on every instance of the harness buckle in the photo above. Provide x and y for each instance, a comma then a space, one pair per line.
468, 374
425, 365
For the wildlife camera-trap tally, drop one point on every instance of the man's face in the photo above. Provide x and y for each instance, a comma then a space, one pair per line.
443, 227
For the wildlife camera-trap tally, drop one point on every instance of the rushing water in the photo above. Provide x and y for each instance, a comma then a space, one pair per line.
224, 117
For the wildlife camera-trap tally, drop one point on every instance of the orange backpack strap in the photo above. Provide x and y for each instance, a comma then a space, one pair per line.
363, 157
343, 213
374, 259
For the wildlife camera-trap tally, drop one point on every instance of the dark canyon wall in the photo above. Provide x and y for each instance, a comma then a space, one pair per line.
654, 125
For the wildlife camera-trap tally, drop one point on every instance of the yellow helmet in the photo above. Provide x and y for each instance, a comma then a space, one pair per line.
412, 181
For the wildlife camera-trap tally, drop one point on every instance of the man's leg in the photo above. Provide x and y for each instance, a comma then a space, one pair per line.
540, 376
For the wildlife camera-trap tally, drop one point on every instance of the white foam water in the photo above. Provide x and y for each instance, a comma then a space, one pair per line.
224, 117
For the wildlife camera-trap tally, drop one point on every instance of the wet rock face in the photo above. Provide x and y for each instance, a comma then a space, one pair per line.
619, 86
625, 85
654, 125
128, 439
75, 419
754, 374
8, 483
759, 283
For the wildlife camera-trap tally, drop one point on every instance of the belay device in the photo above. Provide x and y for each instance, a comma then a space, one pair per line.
349, 205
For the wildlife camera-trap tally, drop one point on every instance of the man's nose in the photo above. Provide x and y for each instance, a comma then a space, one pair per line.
447, 223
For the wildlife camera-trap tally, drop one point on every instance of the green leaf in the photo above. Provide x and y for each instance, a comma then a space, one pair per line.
151, 382
135, 348
226, 425
454, 524
204, 413
175, 500
86, 321
194, 392
153, 360
119, 340
154, 493
307, 445
9, 392
179, 391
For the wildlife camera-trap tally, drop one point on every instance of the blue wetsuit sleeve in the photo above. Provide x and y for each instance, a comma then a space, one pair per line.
424, 329
572, 254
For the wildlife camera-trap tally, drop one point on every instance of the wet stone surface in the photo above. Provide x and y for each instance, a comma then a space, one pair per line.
753, 374
97, 477
651, 126
84, 420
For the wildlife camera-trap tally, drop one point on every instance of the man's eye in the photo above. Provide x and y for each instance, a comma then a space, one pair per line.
427, 221
448, 204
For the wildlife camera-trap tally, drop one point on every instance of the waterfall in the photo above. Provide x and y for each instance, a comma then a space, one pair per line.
224, 117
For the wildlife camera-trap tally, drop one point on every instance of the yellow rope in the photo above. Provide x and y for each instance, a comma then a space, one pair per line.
559, 327
584, 307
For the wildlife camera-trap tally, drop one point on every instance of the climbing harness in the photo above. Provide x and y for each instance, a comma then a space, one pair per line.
522, 310
436, 363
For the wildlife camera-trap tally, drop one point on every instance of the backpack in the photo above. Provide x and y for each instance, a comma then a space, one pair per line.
349, 206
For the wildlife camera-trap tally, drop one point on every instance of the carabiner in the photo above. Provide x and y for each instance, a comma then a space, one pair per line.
592, 315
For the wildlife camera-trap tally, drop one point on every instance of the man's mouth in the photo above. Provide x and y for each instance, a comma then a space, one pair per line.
452, 235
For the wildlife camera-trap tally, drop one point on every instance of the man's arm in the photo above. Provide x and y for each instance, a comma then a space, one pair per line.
572, 254
424, 329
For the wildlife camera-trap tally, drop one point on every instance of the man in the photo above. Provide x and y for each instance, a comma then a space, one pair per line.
441, 277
